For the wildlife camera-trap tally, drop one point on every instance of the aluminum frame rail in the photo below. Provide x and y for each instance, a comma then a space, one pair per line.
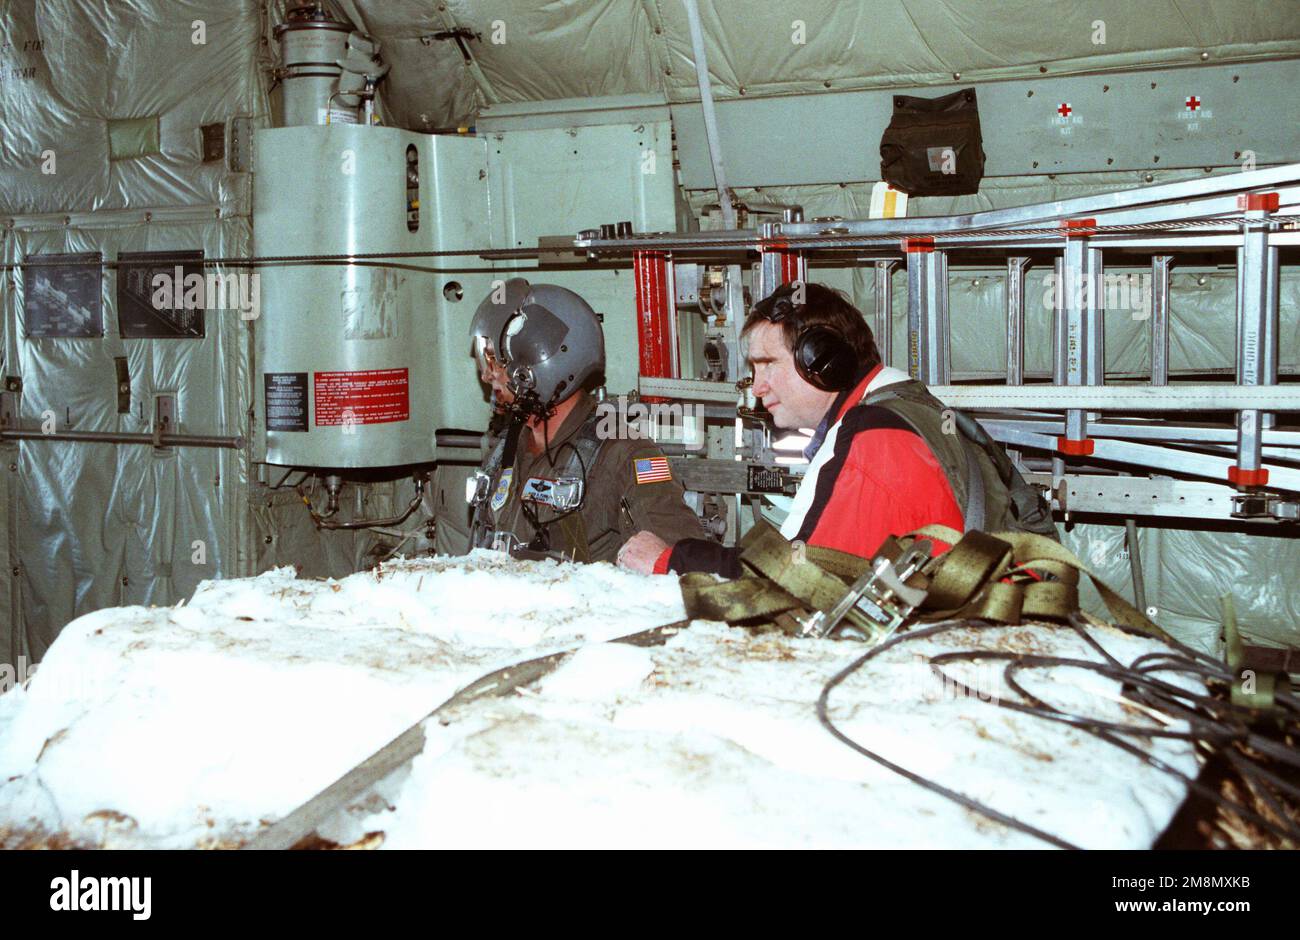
1168, 202
1252, 214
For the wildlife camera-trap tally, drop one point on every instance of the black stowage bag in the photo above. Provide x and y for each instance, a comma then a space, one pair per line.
933, 146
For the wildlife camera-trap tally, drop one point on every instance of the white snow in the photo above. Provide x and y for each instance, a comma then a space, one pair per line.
191, 726
722, 748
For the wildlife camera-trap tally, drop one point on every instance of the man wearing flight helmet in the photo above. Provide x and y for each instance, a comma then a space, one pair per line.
550, 485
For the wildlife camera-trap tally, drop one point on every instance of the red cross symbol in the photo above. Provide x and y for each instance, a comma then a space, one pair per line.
1193, 103
1065, 109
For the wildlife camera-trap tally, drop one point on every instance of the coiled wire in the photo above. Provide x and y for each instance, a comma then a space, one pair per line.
1215, 724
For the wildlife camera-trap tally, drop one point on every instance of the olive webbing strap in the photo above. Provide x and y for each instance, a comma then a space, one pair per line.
982, 577
1250, 688
966, 583
771, 556
1058, 598
733, 601
781, 578
974, 560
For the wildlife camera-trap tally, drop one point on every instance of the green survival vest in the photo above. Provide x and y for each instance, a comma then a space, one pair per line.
990, 491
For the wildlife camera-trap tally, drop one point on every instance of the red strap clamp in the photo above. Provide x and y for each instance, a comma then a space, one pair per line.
1079, 228
1240, 477
1259, 202
920, 245
1081, 448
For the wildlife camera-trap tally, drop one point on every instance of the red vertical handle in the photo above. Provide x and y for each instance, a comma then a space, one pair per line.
654, 312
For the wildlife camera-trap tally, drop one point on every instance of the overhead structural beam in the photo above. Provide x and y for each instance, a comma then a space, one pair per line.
1154, 457
1192, 213
710, 113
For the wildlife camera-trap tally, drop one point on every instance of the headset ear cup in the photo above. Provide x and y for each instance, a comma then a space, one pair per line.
824, 359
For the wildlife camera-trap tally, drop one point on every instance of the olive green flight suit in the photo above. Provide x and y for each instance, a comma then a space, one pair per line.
615, 505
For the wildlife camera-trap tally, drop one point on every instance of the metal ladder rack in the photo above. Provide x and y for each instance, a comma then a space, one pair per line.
1086, 426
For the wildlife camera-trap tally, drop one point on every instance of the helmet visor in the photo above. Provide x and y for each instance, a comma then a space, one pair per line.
484, 354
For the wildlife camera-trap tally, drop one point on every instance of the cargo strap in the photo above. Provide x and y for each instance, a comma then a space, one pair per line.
1023, 558
1250, 688
985, 577
779, 577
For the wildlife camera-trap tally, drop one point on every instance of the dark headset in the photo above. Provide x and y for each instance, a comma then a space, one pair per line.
822, 356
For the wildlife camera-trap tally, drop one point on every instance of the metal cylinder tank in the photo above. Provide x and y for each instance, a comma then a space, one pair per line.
345, 357
312, 42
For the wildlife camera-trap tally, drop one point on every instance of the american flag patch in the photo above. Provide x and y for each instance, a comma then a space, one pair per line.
652, 470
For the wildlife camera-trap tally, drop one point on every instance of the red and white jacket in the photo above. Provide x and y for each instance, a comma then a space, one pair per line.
872, 477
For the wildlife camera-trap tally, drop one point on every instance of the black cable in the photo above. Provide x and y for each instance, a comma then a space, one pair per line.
1213, 723
959, 799
1212, 730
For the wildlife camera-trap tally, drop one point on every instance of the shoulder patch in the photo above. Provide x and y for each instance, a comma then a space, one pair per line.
651, 470
503, 489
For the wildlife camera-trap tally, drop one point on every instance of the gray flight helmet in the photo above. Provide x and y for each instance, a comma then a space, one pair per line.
552, 345
491, 316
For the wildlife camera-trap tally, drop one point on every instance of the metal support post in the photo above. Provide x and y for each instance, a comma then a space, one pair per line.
1257, 331
927, 312
1079, 338
885, 309
1272, 326
1016, 267
1160, 319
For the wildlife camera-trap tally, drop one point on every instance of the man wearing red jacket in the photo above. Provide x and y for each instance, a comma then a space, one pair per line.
872, 472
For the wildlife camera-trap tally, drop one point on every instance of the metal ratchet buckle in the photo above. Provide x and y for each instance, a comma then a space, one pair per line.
880, 601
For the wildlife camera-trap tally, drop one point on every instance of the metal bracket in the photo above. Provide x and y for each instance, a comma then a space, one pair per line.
123, 385
1265, 507
240, 151
164, 418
